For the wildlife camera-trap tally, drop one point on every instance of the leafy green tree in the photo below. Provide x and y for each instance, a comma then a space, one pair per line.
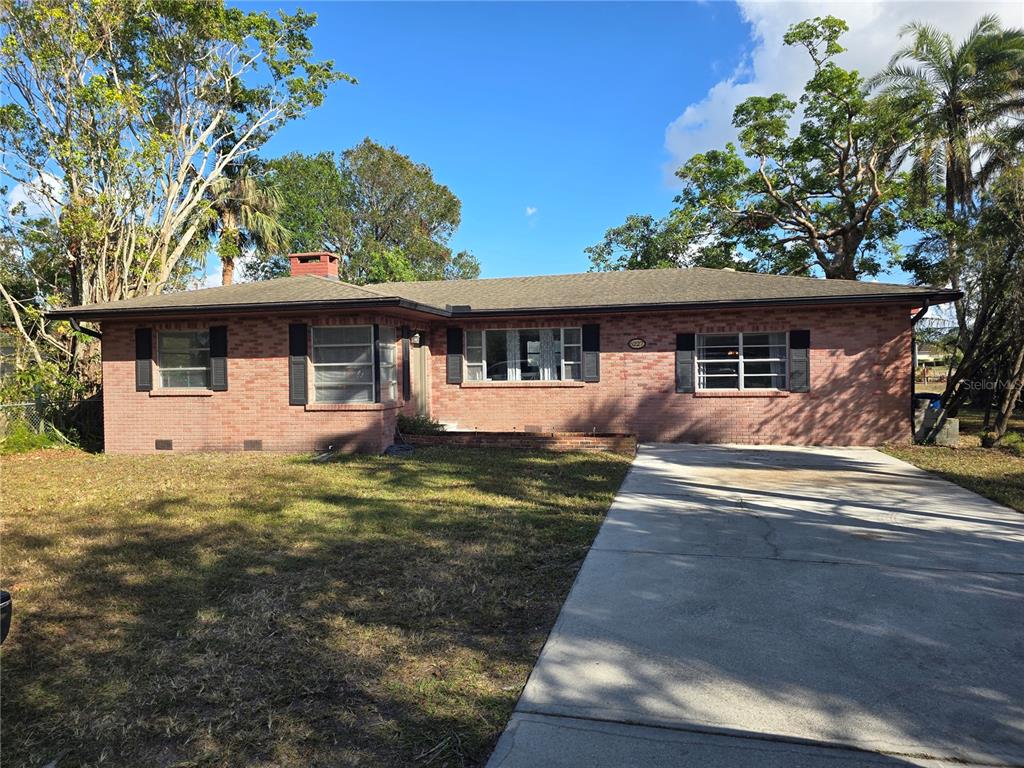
121, 115
968, 90
643, 242
375, 207
388, 266
826, 195
245, 217
991, 351
396, 203
462, 266
314, 209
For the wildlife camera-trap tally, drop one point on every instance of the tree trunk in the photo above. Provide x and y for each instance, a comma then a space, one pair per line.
990, 401
1011, 394
230, 239
75, 277
227, 271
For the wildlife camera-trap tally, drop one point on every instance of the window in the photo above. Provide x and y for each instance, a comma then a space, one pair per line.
388, 364
572, 353
184, 359
741, 361
527, 354
343, 364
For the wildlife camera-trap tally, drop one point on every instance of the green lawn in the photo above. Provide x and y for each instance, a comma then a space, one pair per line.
996, 473
259, 610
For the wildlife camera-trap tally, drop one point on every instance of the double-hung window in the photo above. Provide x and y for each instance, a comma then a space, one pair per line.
524, 354
343, 364
183, 358
741, 360
388, 364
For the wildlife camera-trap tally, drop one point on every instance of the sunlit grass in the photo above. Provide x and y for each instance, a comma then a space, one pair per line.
267, 610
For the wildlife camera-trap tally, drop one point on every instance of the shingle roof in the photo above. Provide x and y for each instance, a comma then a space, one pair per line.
634, 287
660, 288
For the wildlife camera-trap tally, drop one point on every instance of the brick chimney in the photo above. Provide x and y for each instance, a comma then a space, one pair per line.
319, 263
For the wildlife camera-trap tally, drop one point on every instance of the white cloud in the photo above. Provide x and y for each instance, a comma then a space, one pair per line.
38, 196
770, 66
530, 210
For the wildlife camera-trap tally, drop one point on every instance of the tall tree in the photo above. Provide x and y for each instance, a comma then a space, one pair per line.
314, 209
245, 211
991, 360
384, 213
967, 89
396, 203
825, 196
120, 115
643, 242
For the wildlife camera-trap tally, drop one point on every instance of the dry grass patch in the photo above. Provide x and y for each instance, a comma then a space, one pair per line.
268, 611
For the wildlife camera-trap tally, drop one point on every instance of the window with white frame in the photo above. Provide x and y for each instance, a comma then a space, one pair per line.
388, 363
183, 358
741, 360
343, 364
524, 354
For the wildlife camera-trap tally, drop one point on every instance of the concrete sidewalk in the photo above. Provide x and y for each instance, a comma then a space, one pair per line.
784, 607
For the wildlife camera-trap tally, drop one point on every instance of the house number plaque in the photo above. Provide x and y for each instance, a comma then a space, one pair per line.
637, 343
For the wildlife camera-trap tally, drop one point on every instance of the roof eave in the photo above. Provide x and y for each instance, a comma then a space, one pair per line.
80, 313
916, 298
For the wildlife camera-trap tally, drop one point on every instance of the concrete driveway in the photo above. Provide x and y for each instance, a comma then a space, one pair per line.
788, 607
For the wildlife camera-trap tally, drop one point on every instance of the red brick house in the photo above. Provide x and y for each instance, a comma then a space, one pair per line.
693, 355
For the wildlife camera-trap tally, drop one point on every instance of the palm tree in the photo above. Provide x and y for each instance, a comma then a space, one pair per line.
970, 90
245, 209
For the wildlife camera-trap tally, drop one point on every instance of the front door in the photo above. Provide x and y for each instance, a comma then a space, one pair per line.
418, 377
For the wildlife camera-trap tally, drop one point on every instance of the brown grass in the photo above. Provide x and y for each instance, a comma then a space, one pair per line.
269, 611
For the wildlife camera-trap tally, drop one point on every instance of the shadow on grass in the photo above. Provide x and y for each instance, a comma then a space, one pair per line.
272, 611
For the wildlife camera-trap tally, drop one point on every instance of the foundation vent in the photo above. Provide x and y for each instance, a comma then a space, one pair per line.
252, 445
165, 445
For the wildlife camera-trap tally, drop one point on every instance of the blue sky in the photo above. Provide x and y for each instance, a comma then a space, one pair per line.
557, 108
554, 121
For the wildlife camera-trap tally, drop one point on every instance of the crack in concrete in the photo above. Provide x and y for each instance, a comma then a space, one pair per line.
769, 533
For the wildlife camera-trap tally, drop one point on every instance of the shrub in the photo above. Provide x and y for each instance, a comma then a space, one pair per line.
1013, 442
419, 425
21, 437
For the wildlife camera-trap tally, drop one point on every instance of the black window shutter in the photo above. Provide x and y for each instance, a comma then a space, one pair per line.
406, 372
376, 363
685, 345
298, 345
592, 352
454, 362
219, 358
799, 361
143, 359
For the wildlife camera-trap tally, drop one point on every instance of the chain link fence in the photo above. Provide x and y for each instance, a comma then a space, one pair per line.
78, 421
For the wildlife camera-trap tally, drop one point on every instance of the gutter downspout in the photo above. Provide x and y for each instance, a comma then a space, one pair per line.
87, 331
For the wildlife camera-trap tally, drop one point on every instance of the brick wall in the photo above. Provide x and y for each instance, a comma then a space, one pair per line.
860, 387
255, 406
860, 382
